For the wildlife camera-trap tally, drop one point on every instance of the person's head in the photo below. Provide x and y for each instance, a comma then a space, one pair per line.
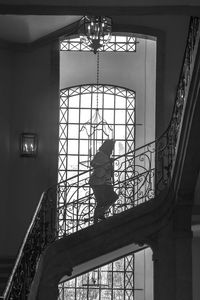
107, 147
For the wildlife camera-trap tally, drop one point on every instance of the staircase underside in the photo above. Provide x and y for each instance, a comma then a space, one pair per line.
62, 259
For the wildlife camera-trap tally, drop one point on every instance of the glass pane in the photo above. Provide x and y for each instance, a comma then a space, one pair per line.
118, 265
73, 131
97, 100
84, 147
74, 101
70, 283
81, 294
109, 116
119, 295
73, 115
86, 101
71, 173
73, 147
93, 294
85, 131
119, 148
120, 132
85, 115
120, 116
121, 38
120, 102
108, 101
118, 279
106, 294
69, 294
73, 162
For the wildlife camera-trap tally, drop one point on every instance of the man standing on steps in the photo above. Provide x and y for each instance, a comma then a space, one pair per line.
101, 180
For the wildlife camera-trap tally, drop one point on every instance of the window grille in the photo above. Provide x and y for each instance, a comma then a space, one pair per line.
116, 44
78, 143
109, 282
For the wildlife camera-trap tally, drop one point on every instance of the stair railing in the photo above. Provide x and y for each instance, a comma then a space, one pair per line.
140, 175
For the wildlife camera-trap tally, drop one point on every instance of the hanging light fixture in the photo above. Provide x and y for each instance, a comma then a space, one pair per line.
96, 128
95, 32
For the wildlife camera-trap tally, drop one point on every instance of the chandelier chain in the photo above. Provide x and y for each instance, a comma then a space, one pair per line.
98, 80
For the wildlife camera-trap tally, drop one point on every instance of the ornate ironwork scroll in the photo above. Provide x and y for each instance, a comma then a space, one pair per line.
146, 172
41, 232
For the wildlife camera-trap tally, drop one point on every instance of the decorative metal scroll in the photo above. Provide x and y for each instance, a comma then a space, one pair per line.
40, 233
145, 173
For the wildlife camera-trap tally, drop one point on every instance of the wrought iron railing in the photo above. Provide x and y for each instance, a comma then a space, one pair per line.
134, 181
140, 175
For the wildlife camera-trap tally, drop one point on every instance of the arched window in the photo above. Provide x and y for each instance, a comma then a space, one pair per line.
89, 114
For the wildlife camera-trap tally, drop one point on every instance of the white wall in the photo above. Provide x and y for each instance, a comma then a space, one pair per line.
144, 275
30, 103
5, 91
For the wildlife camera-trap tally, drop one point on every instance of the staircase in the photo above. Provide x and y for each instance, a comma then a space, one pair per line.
51, 247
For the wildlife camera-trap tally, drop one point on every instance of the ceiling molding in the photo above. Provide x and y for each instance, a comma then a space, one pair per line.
31, 9
56, 35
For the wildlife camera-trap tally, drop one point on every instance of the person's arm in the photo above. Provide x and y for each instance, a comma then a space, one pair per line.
100, 160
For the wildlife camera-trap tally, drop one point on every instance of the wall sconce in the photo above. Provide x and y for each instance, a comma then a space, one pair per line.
28, 144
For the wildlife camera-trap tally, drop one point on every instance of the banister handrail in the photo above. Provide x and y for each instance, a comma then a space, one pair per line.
165, 146
22, 247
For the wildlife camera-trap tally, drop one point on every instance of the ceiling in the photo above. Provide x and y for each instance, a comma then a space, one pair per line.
29, 28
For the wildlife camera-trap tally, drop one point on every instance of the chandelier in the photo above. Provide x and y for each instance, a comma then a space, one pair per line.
96, 128
95, 32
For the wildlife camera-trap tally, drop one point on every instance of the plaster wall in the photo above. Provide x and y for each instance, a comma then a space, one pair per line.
121, 3
196, 243
171, 32
196, 267
33, 108
5, 87
144, 275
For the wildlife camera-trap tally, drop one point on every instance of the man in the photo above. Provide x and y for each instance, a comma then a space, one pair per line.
101, 180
